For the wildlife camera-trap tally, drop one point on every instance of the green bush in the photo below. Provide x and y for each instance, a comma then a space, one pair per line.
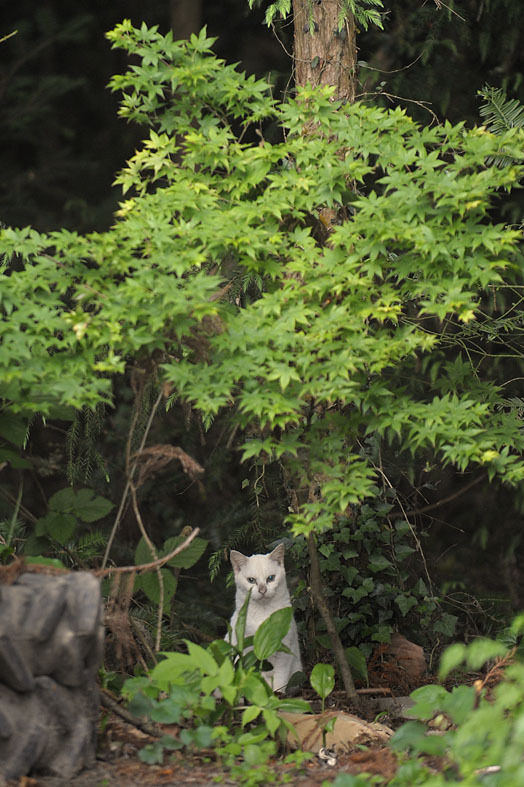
477, 733
219, 698
324, 353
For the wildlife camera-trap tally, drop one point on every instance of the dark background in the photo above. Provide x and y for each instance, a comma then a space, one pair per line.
61, 142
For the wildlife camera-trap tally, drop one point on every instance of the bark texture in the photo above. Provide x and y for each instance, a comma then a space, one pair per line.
185, 17
324, 55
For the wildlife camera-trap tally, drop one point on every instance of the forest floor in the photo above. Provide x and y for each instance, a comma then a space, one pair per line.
118, 765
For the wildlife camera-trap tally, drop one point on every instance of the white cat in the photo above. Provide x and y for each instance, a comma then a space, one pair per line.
265, 576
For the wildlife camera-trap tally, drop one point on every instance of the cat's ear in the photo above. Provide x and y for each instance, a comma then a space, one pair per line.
237, 560
278, 554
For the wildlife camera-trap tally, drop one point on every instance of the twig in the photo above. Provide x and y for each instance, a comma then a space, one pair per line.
111, 704
423, 104
130, 479
385, 480
137, 628
105, 572
158, 569
379, 690
444, 500
10, 572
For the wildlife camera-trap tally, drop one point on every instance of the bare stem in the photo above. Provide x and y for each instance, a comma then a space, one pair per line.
130, 480
322, 606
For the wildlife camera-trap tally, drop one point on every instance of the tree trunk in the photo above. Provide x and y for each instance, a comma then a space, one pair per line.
324, 55
185, 17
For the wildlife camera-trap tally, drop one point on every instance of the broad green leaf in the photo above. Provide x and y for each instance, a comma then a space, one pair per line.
143, 554
271, 719
85, 504
63, 500
482, 650
460, 703
14, 459
171, 669
44, 561
240, 625
255, 690
428, 700
91, 507
202, 659
13, 428
152, 753
189, 556
322, 679
58, 526
451, 659
167, 711
226, 673
149, 583
405, 603
294, 705
249, 714
269, 635
140, 705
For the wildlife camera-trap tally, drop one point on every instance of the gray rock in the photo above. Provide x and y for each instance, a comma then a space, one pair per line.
51, 645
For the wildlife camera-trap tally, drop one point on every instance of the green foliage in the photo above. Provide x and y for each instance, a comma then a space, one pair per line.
366, 563
184, 689
322, 681
501, 114
350, 780
324, 355
364, 11
68, 511
270, 634
149, 582
477, 732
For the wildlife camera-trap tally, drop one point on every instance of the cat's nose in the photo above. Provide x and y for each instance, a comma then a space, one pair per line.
262, 589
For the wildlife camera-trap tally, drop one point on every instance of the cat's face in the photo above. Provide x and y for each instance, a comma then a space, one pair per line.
262, 574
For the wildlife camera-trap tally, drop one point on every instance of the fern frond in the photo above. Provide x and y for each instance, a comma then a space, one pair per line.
82, 454
500, 112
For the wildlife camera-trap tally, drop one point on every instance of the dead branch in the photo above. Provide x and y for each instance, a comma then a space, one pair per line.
105, 572
111, 704
153, 459
445, 500
130, 476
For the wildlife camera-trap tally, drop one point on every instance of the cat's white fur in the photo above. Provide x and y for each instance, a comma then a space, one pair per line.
267, 595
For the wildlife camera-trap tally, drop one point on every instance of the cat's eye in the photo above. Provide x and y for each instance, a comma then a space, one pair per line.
251, 580
271, 578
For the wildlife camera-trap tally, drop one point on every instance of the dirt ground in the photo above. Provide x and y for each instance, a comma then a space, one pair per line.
128, 771
118, 765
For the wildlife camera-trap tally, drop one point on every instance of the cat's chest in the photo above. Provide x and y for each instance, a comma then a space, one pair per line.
258, 612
